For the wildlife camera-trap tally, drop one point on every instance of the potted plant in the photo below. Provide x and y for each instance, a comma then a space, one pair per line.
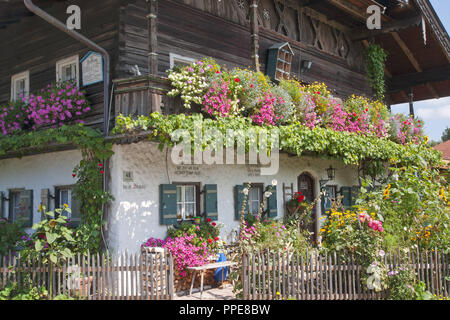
294, 204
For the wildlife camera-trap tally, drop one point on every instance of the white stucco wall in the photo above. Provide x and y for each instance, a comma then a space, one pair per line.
37, 172
134, 215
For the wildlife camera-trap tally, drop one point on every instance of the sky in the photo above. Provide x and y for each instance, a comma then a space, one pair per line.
435, 112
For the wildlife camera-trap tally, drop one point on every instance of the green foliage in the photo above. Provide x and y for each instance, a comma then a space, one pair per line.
275, 236
13, 292
403, 285
414, 206
296, 139
89, 173
10, 235
53, 240
446, 134
375, 62
28, 292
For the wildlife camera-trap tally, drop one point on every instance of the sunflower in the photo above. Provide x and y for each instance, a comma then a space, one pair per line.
52, 223
387, 193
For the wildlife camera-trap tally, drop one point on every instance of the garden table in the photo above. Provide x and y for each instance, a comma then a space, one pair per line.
205, 267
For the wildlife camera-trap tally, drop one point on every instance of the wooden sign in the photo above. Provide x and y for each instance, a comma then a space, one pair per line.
92, 68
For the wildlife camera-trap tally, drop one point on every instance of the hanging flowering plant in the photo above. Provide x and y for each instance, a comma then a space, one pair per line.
12, 118
190, 82
58, 103
55, 105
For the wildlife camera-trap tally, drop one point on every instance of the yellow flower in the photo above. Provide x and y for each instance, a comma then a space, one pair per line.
52, 223
278, 293
426, 139
65, 205
40, 208
442, 193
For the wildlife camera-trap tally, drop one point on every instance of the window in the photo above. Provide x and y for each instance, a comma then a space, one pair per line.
177, 60
255, 198
21, 207
327, 200
187, 201
64, 196
20, 85
67, 70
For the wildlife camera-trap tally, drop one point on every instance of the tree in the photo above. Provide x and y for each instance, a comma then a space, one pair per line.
446, 135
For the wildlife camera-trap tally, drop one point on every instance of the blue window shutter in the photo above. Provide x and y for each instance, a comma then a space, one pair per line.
326, 202
168, 204
346, 192
211, 202
239, 201
272, 204
2, 195
355, 194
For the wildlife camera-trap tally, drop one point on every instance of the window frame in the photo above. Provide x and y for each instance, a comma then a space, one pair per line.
331, 199
25, 75
260, 186
176, 57
58, 204
197, 190
11, 206
68, 61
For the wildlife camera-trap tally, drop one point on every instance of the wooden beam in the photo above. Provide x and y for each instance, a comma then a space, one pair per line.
353, 10
406, 81
364, 33
412, 59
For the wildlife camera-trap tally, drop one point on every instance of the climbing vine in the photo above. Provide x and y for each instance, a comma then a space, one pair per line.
89, 172
375, 61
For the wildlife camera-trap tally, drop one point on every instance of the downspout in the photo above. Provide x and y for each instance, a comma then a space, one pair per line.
77, 36
106, 71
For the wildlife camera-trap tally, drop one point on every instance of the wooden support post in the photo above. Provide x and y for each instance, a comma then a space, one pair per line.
152, 6
411, 103
254, 33
152, 16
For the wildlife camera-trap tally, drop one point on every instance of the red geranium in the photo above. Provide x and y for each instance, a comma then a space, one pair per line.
237, 80
213, 224
216, 238
208, 220
299, 197
210, 240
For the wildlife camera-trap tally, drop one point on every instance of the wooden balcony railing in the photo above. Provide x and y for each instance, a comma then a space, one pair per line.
144, 95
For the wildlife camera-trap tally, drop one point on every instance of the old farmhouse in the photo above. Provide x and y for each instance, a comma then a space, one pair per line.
322, 41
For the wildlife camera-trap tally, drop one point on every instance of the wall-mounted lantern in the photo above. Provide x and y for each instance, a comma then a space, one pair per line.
331, 174
279, 60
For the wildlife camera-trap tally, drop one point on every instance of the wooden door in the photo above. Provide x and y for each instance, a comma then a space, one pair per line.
306, 185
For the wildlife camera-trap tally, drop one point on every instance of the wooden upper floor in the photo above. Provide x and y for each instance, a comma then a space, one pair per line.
145, 37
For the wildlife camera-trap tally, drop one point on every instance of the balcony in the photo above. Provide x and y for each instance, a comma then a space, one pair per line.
145, 95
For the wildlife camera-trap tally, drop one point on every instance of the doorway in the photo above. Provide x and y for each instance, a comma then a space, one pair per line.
306, 185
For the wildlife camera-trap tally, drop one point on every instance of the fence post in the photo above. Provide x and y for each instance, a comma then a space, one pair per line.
244, 276
170, 282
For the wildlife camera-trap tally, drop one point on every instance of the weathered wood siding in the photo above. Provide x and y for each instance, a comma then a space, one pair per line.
35, 45
199, 28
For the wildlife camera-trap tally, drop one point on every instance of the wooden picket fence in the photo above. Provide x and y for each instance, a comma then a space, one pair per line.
310, 276
140, 276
